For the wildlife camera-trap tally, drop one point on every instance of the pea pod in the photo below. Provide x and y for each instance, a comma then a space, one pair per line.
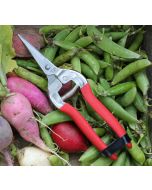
66, 56
90, 60
136, 153
99, 131
84, 41
76, 65
25, 63
65, 44
109, 46
94, 49
139, 103
116, 35
92, 153
109, 70
86, 70
123, 40
142, 82
119, 89
148, 162
131, 69
103, 64
128, 98
117, 110
102, 161
127, 161
52, 28
74, 35
35, 79
121, 159
51, 51
55, 117
104, 83
137, 41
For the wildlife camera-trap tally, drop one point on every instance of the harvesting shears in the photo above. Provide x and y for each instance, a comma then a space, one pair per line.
56, 78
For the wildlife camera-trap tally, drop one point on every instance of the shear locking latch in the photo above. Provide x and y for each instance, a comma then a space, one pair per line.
116, 145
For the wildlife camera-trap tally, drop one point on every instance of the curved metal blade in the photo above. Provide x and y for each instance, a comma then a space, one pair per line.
47, 66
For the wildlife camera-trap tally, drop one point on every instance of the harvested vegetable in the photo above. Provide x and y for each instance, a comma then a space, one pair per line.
32, 156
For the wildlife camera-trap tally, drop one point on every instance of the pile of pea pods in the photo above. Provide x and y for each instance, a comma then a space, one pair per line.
115, 66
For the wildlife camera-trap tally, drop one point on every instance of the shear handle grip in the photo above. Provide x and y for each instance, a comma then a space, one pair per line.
104, 113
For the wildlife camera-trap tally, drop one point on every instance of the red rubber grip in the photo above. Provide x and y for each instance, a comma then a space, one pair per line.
84, 126
102, 110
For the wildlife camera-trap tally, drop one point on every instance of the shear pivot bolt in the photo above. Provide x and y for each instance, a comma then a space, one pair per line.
47, 67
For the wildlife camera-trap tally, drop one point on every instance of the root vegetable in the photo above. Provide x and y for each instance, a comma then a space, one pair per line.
6, 137
37, 99
68, 137
32, 156
32, 36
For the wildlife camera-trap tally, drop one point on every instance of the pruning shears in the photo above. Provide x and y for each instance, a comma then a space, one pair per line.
56, 78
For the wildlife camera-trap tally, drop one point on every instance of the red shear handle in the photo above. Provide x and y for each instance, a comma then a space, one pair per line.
85, 128
102, 110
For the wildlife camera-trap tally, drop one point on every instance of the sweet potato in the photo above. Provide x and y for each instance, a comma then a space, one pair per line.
37, 99
32, 36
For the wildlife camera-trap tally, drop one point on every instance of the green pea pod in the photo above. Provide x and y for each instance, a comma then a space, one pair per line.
84, 41
123, 40
119, 89
116, 35
102, 161
76, 64
94, 49
104, 83
128, 98
104, 30
35, 79
55, 160
93, 86
148, 162
121, 159
86, 70
109, 46
139, 103
93, 114
55, 117
137, 41
136, 153
51, 51
130, 69
142, 82
52, 28
127, 161
66, 56
26, 63
117, 110
90, 60
46, 137
103, 64
99, 131
66, 45
109, 70
92, 153
75, 34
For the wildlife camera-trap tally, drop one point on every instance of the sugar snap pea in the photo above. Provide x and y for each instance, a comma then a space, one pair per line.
35, 79
94, 49
84, 41
52, 28
50, 51
76, 64
121, 159
92, 153
128, 98
123, 40
117, 110
75, 34
104, 83
99, 131
86, 70
127, 162
89, 59
119, 89
142, 82
130, 69
136, 153
109, 70
115, 35
66, 56
103, 64
139, 103
137, 41
25, 63
109, 46
102, 161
